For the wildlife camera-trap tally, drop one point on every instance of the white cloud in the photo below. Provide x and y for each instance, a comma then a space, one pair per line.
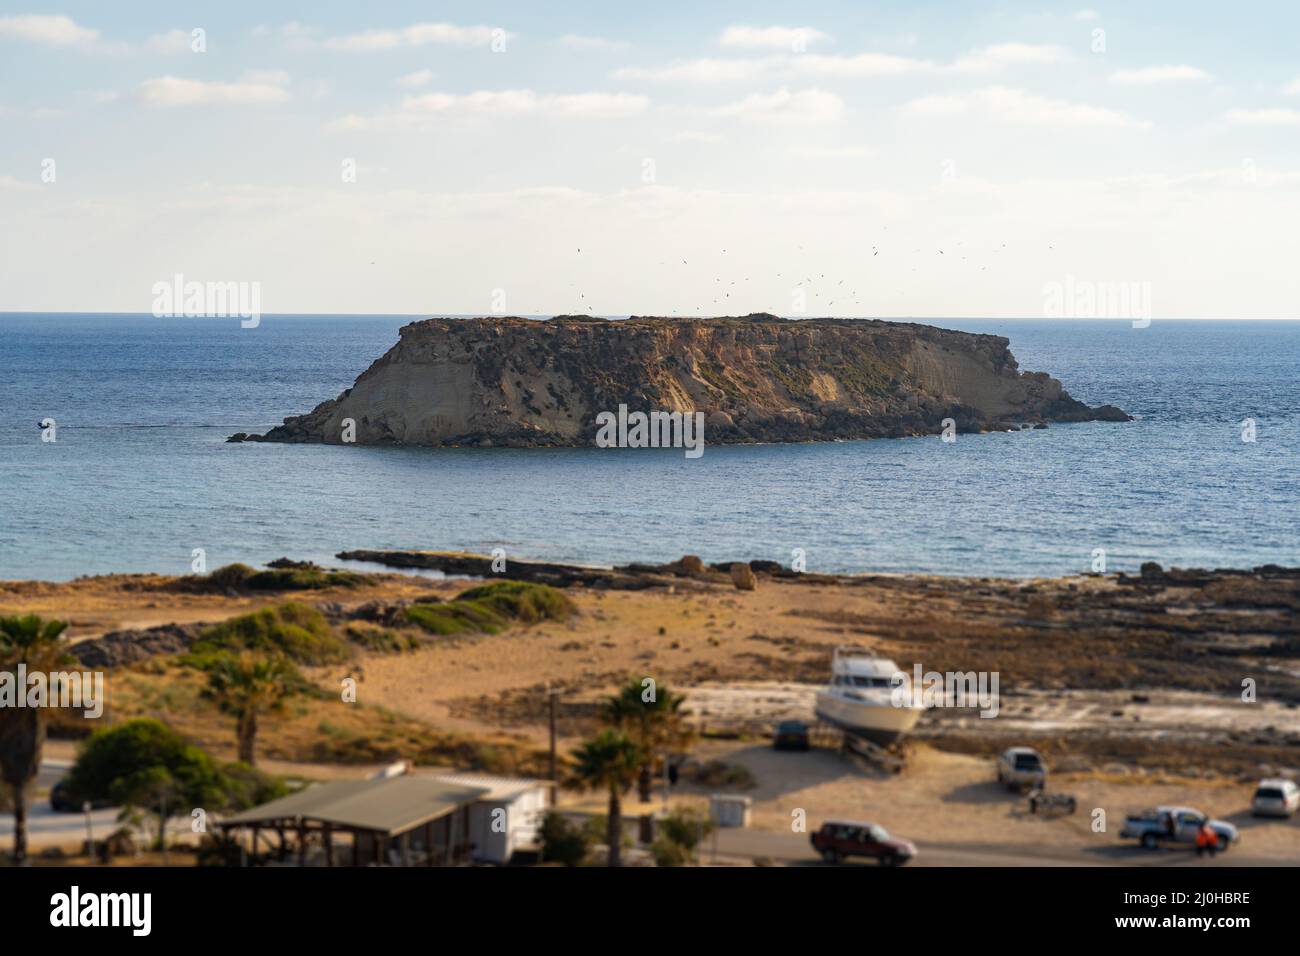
295, 34
771, 38
507, 102
861, 64
576, 42
1086, 15
834, 152
1017, 106
1151, 75
9, 182
695, 136
783, 108
266, 77
1292, 88
50, 30
254, 88
1001, 55
699, 71
58, 31
1263, 117
416, 79
844, 66
416, 111
419, 34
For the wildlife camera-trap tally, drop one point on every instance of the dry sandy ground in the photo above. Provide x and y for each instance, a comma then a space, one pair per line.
950, 798
694, 633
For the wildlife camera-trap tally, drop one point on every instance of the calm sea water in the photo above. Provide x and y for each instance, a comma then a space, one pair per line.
140, 474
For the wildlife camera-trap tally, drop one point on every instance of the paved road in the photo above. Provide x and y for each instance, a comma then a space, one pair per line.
794, 848
46, 827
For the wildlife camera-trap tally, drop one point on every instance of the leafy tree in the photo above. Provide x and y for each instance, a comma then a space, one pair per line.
36, 643
610, 761
654, 721
150, 770
248, 686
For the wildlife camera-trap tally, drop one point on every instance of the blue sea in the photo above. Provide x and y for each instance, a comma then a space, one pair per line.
140, 474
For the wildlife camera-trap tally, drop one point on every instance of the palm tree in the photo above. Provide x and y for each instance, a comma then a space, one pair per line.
34, 642
248, 686
611, 760
655, 725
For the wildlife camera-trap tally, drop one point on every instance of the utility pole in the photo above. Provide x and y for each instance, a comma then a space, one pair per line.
666, 758
162, 828
90, 833
553, 698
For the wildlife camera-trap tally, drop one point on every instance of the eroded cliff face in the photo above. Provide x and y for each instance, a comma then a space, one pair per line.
521, 382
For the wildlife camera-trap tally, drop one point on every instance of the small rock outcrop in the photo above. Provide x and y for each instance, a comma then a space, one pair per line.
742, 576
118, 648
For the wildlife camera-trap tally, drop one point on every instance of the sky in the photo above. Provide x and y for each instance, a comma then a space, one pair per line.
915, 158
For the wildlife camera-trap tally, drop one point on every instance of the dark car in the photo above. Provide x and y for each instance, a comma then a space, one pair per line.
838, 840
60, 802
791, 735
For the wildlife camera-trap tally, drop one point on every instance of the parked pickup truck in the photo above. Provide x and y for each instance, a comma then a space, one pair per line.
1021, 768
1161, 825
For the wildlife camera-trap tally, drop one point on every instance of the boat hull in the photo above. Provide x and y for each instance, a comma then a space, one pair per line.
880, 724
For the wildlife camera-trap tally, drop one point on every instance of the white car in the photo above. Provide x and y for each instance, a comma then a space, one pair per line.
1276, 798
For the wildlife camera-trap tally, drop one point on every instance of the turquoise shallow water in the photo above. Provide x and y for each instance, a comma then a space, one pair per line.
140, 474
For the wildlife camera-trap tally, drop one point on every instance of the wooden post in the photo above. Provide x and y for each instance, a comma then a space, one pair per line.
428, 843
356, 848
403, 846
329, 844
302, 845
256, 830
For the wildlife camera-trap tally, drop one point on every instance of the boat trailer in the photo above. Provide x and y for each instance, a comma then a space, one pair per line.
859, 749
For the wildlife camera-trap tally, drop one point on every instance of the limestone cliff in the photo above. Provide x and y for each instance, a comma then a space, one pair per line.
521, 382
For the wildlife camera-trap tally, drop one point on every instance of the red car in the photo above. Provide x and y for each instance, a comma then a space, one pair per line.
839, 839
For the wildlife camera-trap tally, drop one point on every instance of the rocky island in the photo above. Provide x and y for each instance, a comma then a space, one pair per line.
508, 381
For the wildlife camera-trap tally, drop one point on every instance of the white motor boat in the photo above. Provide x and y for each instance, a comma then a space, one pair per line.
868, 696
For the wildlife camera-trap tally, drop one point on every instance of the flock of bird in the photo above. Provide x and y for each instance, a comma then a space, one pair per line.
806, 283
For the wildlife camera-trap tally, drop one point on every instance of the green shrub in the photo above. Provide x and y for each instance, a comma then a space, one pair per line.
297, 631
668, 853
380, 639
231, 577
685, 828
456, 617
717, 773
240, 577
491, 608
303, 579
562, 842
521, 601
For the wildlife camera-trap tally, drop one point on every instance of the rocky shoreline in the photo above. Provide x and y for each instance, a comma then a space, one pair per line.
516, 382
